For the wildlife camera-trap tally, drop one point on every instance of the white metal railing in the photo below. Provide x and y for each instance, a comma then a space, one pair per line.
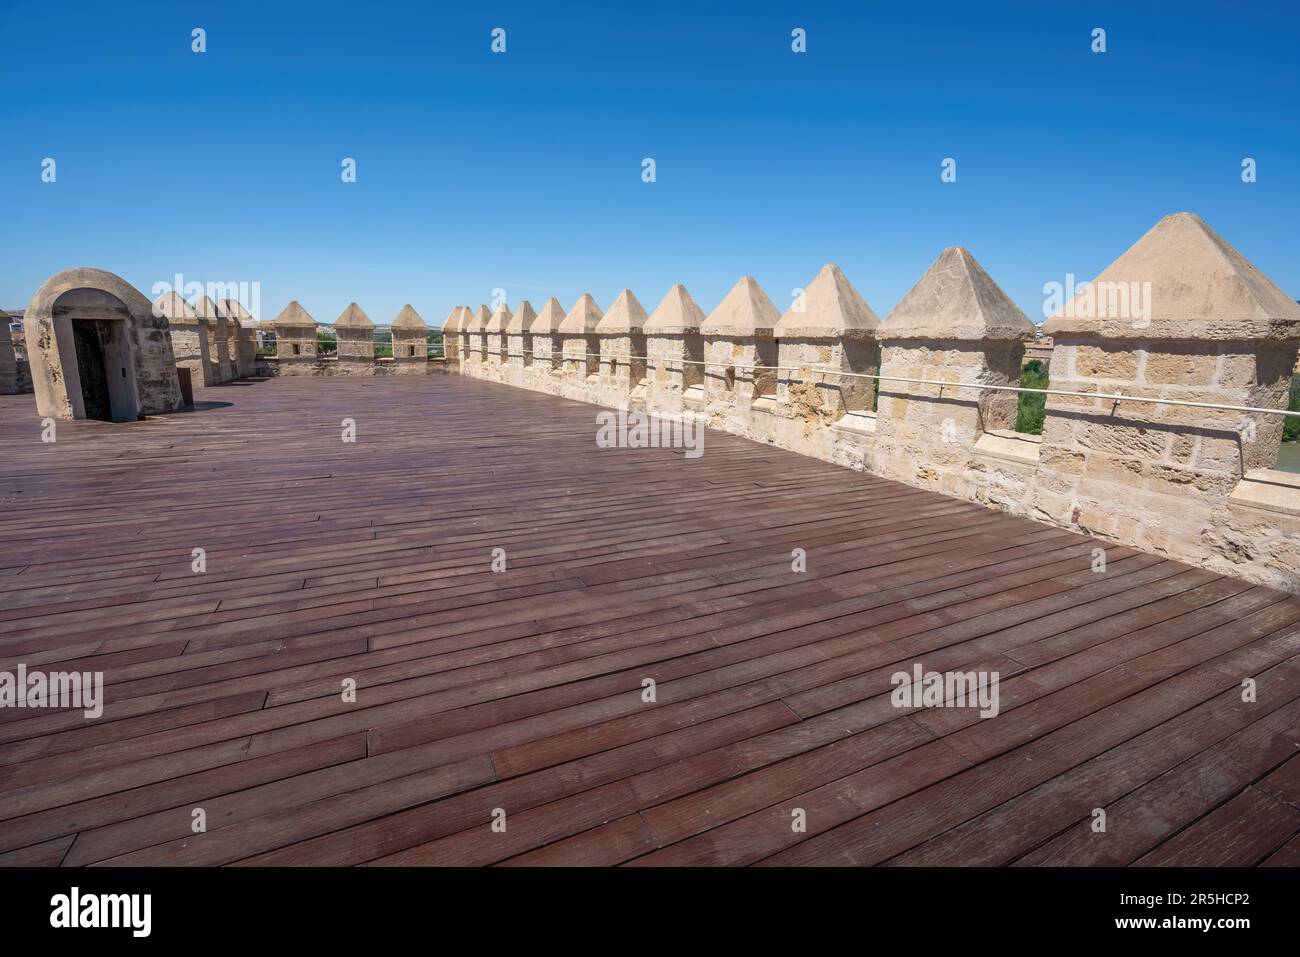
1113, 397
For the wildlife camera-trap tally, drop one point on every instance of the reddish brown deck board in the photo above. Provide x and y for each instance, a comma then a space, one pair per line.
522, 690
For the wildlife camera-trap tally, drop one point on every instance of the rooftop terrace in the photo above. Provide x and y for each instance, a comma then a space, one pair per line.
522, 691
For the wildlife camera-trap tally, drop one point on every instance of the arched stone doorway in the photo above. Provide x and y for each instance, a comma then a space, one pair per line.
98, 350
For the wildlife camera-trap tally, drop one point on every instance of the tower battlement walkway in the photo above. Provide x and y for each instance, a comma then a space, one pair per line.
610, 653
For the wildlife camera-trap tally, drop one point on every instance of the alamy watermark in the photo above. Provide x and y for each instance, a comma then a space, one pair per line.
631, 429
949, 689
247, 294
55, 689
1130, 301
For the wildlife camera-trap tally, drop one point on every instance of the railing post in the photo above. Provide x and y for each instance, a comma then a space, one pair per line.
955, 325
737, 343
675, 350
1181, 315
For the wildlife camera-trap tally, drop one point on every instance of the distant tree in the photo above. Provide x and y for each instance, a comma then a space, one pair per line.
1291, 430
1032, 409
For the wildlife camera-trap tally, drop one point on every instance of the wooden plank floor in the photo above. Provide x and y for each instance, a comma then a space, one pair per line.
521, 690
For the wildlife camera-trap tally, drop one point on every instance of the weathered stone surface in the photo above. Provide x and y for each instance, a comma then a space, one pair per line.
544, 371
408, 320
494, 339
744, 312
139, 364
295, 340
216, 328
243, 327
294, 317
189, 339
583, 318
411, 342
580, 347
830, 308
675, 353
518, 343
830, 329
956, 300
454, 338
354, 317
955, 326
1200, 288
625, 316
676, 314
622, 336
549, 319
355, 338
521, 321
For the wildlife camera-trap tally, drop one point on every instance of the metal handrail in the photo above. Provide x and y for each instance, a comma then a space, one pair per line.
1115, 397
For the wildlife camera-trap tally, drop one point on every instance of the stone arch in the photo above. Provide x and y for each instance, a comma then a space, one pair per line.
125, 352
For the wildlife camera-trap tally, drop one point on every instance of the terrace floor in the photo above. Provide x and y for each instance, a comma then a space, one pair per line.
521, 690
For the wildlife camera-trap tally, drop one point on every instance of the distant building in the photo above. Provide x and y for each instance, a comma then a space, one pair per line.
16, 334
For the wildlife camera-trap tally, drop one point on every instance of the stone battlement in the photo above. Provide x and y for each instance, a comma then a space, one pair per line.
927, 397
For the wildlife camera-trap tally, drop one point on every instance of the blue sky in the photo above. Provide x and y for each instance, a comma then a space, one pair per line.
522, 170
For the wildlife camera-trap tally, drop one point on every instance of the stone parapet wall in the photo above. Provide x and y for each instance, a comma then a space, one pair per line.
1192, 483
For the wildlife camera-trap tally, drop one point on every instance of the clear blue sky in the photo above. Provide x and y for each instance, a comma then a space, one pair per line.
523, 171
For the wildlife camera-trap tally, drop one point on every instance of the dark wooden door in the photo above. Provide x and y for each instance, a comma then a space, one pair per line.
90, 338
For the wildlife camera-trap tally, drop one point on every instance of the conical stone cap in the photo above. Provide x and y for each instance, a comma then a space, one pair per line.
497, 321
294, 316
353, 317
408, 318
625, 316
456, 319
582, 318
478, 320
206, 309
522, 320
957, 301
1180, 281
744, 312
549, 319
676, 314
831, 309
170, 305
236, 311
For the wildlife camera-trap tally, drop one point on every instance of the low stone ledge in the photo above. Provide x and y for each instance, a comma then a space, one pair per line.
1269, 490
1010, 445
860, 422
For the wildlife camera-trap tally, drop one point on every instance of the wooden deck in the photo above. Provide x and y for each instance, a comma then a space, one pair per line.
522, 690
